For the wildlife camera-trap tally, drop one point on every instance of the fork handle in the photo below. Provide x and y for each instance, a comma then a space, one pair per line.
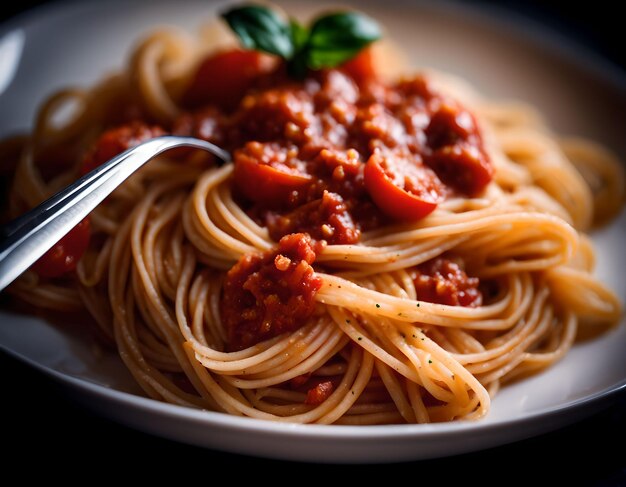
28, 237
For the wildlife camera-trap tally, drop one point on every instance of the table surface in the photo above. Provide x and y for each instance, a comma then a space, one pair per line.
50, 426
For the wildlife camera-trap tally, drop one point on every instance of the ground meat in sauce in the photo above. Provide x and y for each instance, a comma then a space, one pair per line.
326, 218
329, 127
300, 151
443, 281
270, 294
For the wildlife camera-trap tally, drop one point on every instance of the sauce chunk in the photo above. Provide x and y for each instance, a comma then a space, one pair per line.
443, 281
342, 152
117, 140
322, 160
270, 294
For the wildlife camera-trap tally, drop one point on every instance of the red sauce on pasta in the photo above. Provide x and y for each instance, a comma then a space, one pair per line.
318, 394
323, 160
443, 281
117, 140
267, 295
333, 156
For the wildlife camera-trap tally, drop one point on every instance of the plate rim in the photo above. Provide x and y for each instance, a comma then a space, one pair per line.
371, 432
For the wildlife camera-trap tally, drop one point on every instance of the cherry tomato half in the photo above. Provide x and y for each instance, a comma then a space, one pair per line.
361, 68
223, 78
117, 140
264, 174
66, 253
401, 188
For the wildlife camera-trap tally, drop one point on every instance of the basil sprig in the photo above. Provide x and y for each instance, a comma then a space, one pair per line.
331, 40
261, 29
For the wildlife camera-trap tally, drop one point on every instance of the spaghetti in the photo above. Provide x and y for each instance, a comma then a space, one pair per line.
379, 318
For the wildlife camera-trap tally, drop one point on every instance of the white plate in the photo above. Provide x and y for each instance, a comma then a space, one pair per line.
77, 43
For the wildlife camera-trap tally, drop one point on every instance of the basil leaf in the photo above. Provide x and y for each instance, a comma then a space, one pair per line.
332, 39
297, 67
262, 29
319, 58
299, 35
336, 38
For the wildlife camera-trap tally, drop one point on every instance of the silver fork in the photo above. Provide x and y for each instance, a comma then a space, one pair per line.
28, 237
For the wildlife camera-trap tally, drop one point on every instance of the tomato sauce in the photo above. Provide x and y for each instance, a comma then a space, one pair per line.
319, 161
327, 158
117, 140
443, 281
342, 152
270, 294
63, 256
318, 394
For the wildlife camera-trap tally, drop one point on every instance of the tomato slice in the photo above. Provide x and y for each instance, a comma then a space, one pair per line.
361, 68
401, 188
266, 174
66, 253
116, 141
223, 78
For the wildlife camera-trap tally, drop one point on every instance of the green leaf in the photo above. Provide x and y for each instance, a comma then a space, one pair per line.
319, 58
262, 29
297, 66
332, 39
338, 37
299, 35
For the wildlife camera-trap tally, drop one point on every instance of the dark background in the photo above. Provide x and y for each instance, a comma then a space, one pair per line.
44, 428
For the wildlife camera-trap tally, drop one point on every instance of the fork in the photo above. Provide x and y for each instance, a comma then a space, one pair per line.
27, 238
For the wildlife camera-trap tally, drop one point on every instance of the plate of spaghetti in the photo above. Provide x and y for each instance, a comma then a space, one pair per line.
408, 256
